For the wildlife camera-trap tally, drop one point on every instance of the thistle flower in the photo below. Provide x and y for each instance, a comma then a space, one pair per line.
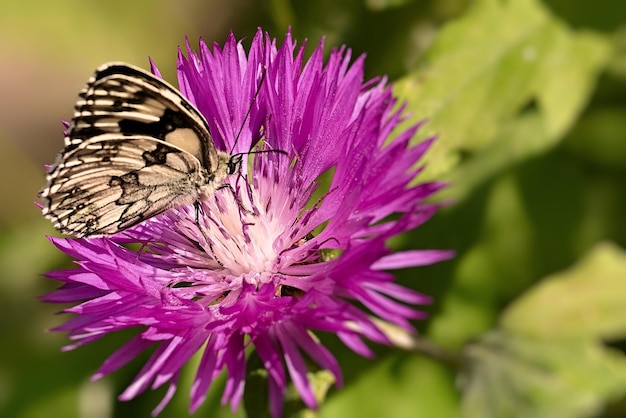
295, 244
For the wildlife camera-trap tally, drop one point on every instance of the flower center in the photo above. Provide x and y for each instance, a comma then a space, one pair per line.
245, 232
241, 230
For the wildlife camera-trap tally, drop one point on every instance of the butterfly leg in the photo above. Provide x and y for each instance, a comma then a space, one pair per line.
196, 206
217, 260
236, 198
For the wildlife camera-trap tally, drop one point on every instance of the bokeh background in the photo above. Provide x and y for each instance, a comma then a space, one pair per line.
533, 141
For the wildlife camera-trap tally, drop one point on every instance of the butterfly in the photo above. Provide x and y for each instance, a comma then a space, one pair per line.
134, 148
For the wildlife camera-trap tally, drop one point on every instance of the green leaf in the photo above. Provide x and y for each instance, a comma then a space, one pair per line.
399, 386
256, 401
599, 136
547, 359
587, 301
521, 138
567, 75
488, 66
379, 5
512, 376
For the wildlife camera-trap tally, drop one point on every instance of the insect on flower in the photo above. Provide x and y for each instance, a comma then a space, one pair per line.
270, 263
134, 148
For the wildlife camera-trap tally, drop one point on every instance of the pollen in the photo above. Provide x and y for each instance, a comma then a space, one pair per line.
240, 231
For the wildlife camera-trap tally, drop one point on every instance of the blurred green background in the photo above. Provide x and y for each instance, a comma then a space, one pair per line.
529, 101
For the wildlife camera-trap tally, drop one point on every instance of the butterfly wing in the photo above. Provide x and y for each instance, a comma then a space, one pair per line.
108, 183
126, 100
134, 148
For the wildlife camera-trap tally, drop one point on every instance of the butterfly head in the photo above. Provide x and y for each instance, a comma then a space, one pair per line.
234, 163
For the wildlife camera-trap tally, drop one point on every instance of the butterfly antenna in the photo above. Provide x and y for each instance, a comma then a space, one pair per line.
263, 151
245, 119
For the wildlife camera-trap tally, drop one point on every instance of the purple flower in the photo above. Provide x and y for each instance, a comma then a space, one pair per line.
295, 244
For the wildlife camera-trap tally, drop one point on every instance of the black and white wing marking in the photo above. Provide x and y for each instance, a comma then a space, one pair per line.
126, 100
134, 149
109, 183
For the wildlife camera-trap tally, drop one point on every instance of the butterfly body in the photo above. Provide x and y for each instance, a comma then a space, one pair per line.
134, 148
